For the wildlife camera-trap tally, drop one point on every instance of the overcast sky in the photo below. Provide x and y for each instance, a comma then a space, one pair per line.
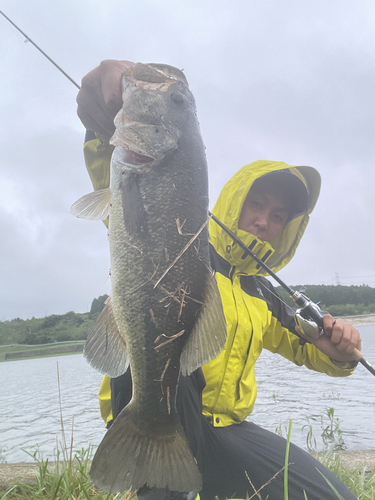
279, 80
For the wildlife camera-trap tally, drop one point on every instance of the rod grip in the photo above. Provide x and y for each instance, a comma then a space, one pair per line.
357, 354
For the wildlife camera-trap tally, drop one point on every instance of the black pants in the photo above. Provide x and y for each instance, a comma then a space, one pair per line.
230, 457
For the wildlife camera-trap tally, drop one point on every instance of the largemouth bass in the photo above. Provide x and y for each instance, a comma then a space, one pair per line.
165, 315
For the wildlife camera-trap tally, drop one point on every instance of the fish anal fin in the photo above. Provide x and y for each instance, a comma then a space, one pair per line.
143, 449
210, 330
93, 206
105, 348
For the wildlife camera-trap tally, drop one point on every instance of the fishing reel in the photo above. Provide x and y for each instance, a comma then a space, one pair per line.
309, 317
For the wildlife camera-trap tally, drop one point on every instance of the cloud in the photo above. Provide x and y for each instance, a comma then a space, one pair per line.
290, 81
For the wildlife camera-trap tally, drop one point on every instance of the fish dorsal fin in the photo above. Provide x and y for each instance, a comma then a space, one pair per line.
93, 206
210, 331
105, 349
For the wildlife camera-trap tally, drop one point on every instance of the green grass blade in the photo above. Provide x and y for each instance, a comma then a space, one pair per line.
340, 497
57, 488
286, 496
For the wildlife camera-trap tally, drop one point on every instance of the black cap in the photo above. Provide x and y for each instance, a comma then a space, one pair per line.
289, 186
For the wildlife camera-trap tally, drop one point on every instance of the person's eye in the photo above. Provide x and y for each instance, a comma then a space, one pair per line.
256, 205
279, 219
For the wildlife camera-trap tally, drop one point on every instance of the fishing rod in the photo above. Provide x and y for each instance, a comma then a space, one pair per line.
309, 317
40, 50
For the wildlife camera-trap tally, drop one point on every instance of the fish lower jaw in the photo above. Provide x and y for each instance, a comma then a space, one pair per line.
133, 160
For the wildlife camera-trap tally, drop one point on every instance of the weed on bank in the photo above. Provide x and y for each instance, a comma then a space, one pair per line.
70, 481
69, 478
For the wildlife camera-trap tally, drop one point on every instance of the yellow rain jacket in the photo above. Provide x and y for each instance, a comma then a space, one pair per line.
256, 319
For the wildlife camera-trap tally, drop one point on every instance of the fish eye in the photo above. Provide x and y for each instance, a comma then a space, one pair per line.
178, 98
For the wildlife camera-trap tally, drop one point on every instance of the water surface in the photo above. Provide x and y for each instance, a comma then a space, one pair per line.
30, 416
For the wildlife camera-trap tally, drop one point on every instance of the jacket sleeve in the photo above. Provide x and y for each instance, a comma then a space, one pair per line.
105, 400
97, 152
281, 337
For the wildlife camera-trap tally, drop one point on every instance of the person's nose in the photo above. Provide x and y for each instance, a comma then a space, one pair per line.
262, 220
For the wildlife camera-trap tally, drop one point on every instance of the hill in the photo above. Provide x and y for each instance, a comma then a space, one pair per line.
54, 328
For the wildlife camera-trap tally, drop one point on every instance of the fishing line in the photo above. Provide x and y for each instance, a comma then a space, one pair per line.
40, 50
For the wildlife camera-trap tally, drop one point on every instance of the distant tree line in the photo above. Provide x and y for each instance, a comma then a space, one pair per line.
338, 300
53, 328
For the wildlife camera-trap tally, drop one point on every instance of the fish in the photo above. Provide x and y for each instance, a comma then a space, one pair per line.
165, 316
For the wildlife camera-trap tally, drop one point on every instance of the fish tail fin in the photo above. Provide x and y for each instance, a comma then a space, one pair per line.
141, 449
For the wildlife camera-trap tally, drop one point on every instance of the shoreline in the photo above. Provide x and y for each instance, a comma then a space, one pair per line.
17, 352
360, 320
25, 472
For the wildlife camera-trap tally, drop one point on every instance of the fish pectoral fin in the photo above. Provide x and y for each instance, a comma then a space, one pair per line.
143, 449
105, 349
93, 206
209, 333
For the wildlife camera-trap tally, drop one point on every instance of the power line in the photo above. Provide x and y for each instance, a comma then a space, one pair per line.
368, 276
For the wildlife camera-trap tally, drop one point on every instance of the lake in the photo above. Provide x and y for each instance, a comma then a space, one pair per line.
30, 417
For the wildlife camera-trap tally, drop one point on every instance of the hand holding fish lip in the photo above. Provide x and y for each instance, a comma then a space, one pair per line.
100, 97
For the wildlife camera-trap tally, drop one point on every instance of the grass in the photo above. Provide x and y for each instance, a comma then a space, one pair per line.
68, 480
360, 481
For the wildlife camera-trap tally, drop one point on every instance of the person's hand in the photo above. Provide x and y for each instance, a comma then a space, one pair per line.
100, 96
340, 341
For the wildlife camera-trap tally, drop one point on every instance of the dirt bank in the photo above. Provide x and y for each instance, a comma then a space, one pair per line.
364, 319
36, 353
354, 459
10, 474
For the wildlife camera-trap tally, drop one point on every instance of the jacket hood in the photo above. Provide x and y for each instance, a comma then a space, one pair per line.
228, 209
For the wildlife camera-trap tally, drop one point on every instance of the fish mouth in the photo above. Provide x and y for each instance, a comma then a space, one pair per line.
133, 158
152, 76
145, 142
157, 73
126, 133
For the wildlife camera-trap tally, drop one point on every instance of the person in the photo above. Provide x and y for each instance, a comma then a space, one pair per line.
267, 204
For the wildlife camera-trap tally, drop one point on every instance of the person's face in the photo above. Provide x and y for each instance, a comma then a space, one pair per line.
264, 214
